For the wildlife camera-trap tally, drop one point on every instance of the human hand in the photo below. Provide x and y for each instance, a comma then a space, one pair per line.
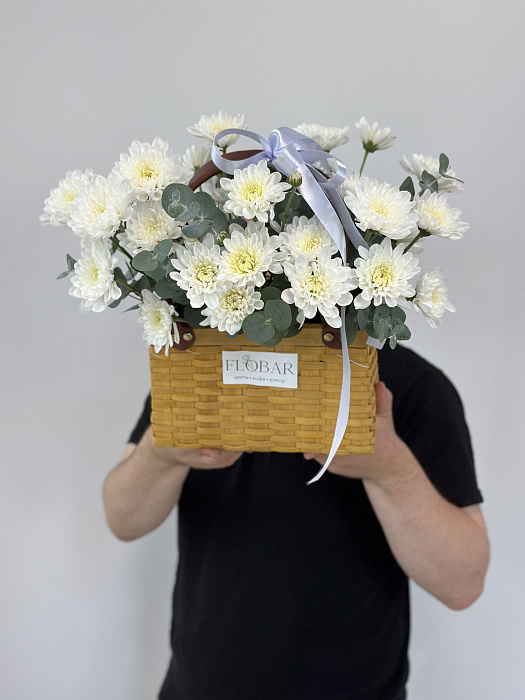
202, 458
387, 446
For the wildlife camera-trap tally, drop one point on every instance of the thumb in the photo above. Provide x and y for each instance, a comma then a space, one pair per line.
383, 401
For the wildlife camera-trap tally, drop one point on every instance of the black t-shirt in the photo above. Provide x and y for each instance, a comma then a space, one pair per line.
290, 592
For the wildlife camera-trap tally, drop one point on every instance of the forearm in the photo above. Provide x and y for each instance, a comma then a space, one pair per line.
142, 490
437, 544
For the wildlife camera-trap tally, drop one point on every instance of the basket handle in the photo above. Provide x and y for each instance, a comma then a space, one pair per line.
209, 169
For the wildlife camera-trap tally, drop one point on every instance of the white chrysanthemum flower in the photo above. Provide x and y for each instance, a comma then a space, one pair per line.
253, 192
249, 253
93, 279
193, 159
149, 224
197, 271
233, 306
438, 218
383, 274
319, 285
57, 207
100, 206
327, 137
157, 316
431, 296
417, 163
351, 182
372, 137
208, 127
381, 207
149, 167
306, 237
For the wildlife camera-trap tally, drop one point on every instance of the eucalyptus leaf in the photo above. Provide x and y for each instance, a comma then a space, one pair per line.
132, 308
270, 293
278, 313
157, 274
256, 328
163, 249
428, 182
176, 199
208, 206
401, 332
275, 339
197, 228
143, 283
398, 314
408, 186
193, 317
240, 221
71, 262
231, 337
383, 328
63, 274
115, 303
144, 261
351, 327
362, 318
167, 288
392, 341
444, 164
281, 281
294, 329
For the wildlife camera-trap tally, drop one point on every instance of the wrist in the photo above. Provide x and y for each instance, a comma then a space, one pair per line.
160, 458
396, 466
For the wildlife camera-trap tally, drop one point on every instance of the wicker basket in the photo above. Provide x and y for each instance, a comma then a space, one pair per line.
192, 408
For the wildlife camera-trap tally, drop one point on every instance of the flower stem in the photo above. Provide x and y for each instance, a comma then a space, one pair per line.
363, 163
119, 247
292, 193
419, 235
125, 284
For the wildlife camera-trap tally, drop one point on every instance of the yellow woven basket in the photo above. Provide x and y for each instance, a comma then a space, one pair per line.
192, 408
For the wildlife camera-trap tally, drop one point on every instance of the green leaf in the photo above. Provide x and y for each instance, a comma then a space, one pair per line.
281, 281
257, 328
274, 340
278, 313
239, 220
428, 182
193, 317
270, 293
398, 314
351, 326
115, 303
294, 329
167, 288
444, 164
158, 273
231, 337
178, 201
163, 249
144, 262
70, 265
408, 186
362, 318
208, 206
132, 308
143, 283
197, 228
393, 341
401, 332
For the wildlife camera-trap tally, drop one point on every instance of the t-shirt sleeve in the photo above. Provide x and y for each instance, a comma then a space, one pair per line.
142, 424
432, 423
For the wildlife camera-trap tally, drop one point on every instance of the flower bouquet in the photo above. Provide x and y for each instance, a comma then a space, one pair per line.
241, 262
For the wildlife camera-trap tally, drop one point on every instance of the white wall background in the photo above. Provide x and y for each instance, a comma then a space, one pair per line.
82, 615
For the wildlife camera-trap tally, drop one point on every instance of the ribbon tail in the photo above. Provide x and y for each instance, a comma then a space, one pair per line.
353, 234
344, 404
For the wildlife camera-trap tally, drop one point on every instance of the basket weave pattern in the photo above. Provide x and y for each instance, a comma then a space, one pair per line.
192, 408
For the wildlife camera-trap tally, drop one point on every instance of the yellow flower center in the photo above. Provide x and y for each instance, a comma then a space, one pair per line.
380, 207
232, 300
436, 213
316, 284
157, 319
93, 274
252, 191
244, 262
205, 273
382, 276
148, 171
312, 243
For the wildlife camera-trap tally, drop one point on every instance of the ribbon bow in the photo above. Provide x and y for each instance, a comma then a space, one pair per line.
288, 150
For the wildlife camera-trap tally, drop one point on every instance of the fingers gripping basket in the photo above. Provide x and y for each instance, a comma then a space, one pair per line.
193, 408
